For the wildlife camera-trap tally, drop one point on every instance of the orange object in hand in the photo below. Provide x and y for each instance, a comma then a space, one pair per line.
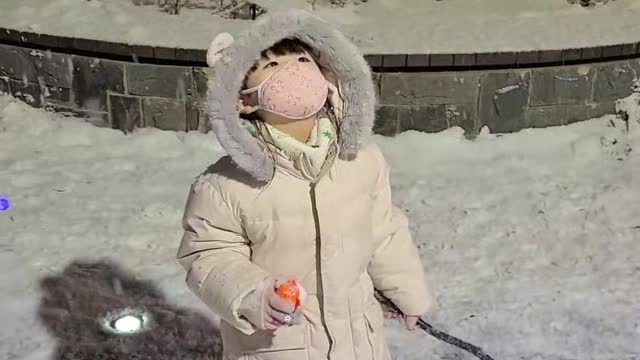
289, 291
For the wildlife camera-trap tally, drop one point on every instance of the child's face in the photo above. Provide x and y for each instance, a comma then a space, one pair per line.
264, 68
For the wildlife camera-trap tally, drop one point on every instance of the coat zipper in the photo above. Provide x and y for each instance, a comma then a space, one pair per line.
319, 284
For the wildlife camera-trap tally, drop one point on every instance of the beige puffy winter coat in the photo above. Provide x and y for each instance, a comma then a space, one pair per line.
248, 219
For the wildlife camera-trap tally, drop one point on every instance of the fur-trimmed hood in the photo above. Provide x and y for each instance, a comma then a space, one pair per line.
230, 57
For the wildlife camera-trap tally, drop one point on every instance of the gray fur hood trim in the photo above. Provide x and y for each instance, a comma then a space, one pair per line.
335, 52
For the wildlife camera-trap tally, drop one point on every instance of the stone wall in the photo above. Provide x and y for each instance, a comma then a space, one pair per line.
126, 95
110, 93
504, 100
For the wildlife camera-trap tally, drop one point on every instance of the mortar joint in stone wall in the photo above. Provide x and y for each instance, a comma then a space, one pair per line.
592, 95
109, 112
476, 121
125, 79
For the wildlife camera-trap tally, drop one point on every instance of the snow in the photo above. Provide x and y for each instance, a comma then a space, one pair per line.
530, 239
417, 26
507, 89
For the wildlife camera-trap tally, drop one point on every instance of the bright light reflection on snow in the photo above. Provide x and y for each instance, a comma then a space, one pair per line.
128, 324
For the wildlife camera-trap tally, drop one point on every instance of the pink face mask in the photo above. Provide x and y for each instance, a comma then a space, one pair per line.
296, 90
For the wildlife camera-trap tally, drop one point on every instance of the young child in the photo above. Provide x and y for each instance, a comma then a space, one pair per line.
302, 196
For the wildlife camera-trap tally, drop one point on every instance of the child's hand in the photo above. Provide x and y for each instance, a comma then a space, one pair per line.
390, 313
266, 310
279, 311
410, 322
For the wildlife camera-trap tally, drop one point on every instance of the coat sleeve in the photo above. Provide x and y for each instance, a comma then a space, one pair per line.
216, 255
396, 268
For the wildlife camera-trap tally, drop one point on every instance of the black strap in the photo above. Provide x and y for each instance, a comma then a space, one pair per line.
441, 335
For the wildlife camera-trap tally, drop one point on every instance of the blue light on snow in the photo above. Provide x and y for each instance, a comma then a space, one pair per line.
5, 204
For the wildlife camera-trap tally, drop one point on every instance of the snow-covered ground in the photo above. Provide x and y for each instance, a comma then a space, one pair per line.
532, 240
378, 27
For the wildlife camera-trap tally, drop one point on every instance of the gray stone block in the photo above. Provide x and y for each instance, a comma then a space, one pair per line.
556, 115
418, 60
440, 60
615, 80
426, 118
15, 64
428, 88
386, 122
164, 53
464, 116
374, 60
376, 77
125, 112
160, 81
141, 51
5, 88
199, 106
545, 116
30, 93
202, 56
504, 98
100, 119
35, 66
601, 109
571, 54
394, 60
550, 56
165, 114
12, 36
577, 113
499, 58
464, 59
112, 48
54, 69
612, 50
593, 53
42, 40
201, 77
528, 57
630, 49
194, 114
187, 54
436, 118
56, 95
566, 85
93, 78
84, 44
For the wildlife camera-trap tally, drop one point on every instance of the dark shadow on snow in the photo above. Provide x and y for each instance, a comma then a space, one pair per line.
75, 301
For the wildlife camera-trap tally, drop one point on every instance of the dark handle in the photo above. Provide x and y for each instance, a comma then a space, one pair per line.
440, 335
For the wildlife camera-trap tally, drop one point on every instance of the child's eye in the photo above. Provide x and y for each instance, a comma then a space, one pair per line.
303, 59
271, 64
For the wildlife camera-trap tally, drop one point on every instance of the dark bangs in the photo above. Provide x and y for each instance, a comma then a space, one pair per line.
287, 46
